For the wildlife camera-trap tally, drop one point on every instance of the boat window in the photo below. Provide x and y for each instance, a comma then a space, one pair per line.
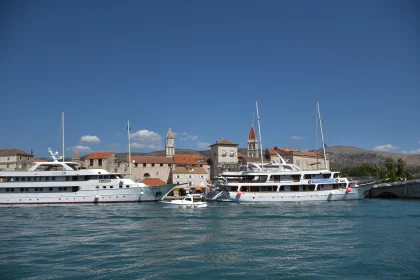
75, 178
12, 189
188, 199
50, 189
325, 176
104, 187
36, 189
158, 194
233, 188
26, 189
294, 188
111, 187
7, 189
17, 179
336, 175
52, 178
281, 189
244, 189
296, 178
276, 178
67, 178
41, 189
22, 189
75, 189
254, 188
128, 186
87, 177
307, 176
268, 188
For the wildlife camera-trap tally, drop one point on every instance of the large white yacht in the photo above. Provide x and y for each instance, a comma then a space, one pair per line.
286, 182
64, 182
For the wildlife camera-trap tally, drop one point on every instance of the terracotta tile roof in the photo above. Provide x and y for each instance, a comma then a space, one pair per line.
240, 155
185, 159
251, 135
224, 142
287, 150
151, 159
40, 160
184, 170
13, 152
272, 151
311, 154
100, 155
153, 182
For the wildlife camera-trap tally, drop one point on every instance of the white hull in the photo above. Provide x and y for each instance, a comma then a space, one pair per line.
323, 195
134, 194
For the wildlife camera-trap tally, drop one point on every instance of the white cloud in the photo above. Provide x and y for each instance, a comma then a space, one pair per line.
203, 145
146, 146
185, 136
385, 148
414, 152
146, 136
82, 149
297, 137
88, 139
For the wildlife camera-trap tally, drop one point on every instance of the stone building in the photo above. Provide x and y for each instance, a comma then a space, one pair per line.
223, 156
304, 160
252, 144
143, 167
100, 160
15, 160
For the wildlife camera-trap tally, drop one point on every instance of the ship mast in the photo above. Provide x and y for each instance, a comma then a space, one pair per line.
322, 136
259, 133
62, 131
129, 149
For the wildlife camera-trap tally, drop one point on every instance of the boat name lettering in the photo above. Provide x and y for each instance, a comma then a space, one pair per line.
323, 181
104, 181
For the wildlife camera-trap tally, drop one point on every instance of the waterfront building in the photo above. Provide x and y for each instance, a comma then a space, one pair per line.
100, 160
15, 160
223, 156
304, 160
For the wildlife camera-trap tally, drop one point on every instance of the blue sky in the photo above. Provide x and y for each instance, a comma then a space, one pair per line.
198, 67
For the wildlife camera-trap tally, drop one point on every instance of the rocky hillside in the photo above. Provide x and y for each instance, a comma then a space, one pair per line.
342, 156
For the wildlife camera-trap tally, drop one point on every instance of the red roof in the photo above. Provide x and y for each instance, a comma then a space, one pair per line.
272, 151
100, 155
311, 154
240, 155
153, 182
13, 152
151, 159
252, 134
185, 159
184, 170
40, 160
224, 142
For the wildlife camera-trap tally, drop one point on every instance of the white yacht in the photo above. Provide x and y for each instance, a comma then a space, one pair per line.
286, 182
64, 182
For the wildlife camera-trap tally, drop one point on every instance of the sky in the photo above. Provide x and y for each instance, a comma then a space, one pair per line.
198, 67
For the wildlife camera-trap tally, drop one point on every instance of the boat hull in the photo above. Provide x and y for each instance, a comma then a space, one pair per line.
89, 195
356, 193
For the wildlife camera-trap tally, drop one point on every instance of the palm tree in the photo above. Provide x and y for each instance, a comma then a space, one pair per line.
401, 167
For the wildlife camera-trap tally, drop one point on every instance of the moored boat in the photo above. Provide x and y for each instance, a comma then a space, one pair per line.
187, 201
64, 182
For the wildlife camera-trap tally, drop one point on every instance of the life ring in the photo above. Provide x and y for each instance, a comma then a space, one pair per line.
309, 181
336, 180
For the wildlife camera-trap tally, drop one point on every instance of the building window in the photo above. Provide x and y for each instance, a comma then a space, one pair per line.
146, 175
153, 165
223, 153
178, 176
91, 162
144, 165
99, 162
232, 153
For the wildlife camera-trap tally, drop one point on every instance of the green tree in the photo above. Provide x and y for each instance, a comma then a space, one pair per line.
401, 168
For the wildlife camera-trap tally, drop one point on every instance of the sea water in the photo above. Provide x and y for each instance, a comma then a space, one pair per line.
365, 239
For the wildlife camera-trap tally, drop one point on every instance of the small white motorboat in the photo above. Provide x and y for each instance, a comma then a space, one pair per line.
187, 201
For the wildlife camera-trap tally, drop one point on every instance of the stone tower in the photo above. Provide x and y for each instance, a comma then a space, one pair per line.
252, 144
170, 144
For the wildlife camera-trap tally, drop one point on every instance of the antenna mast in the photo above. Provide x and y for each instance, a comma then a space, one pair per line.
322, 136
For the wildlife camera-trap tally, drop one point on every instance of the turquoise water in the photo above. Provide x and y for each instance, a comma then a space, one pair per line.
367, 239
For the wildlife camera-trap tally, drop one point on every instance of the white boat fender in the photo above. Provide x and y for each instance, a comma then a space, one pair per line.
97, 196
